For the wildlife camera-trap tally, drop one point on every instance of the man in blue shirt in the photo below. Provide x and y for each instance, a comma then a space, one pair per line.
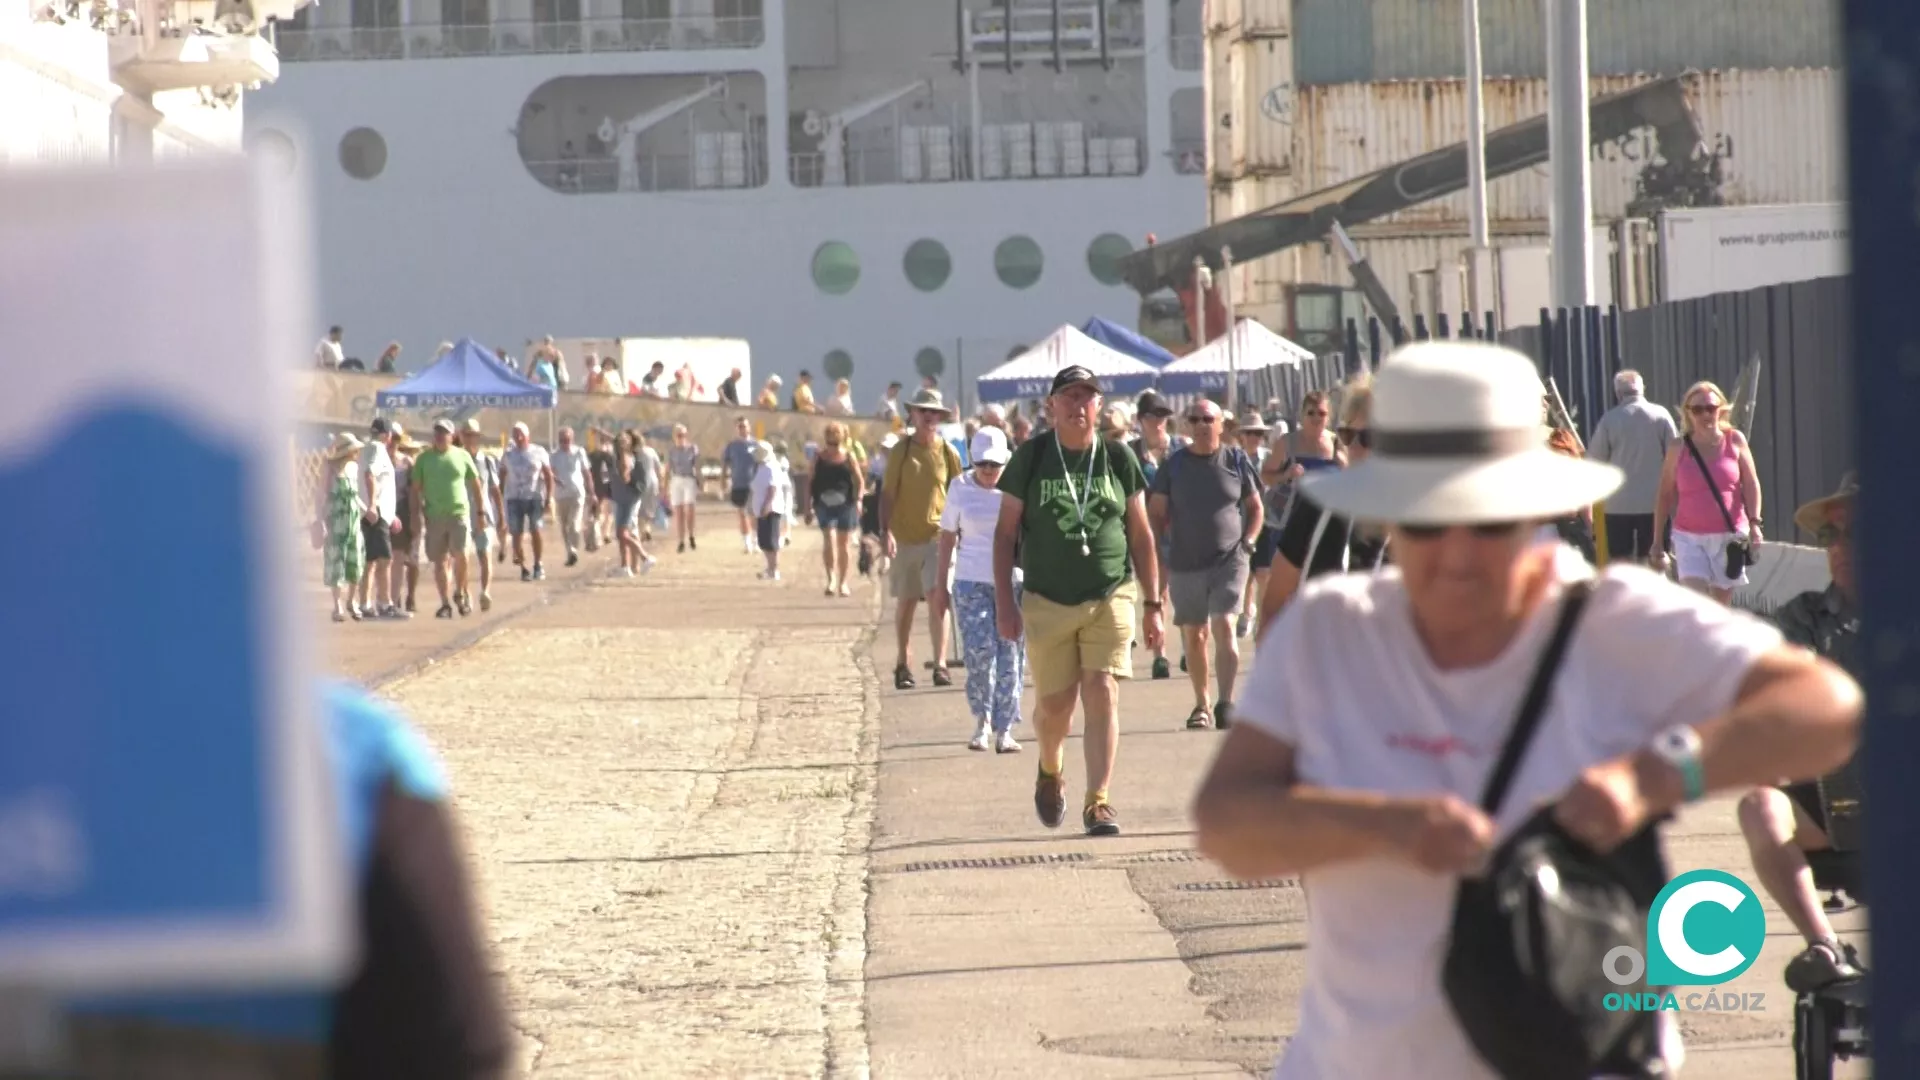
740, 469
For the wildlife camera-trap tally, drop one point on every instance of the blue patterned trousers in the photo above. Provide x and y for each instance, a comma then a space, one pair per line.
994, 674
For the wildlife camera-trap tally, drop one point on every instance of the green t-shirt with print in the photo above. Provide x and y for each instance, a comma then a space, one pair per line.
1060, 508
443, 476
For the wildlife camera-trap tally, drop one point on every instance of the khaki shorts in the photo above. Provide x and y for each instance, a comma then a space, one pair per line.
446, 536
913, 570
1066, 641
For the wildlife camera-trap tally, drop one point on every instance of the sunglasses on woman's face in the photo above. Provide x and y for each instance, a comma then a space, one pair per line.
1832, 533
1704, 410
1362, 437
1490, 530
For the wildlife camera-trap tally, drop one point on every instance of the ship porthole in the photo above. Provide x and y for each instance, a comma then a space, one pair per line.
930, 363
927, 264
836, 269
1017, 262
363, 153
1104, 255
838, 364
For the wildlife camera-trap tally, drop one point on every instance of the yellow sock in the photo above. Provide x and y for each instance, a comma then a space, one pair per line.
1094, 798
1059, 764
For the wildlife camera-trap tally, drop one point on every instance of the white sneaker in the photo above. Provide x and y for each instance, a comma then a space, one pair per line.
648, 564
981, 732
621, 572
1003, 743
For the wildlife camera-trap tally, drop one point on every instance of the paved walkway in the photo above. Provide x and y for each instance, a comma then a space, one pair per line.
709, 845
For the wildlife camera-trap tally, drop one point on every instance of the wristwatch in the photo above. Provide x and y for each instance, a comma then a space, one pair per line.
1679, 746
1151, 605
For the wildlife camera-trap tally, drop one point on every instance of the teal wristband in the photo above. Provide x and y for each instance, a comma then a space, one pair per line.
1693, 779
1680, 747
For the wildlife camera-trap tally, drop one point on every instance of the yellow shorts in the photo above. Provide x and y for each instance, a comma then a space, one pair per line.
1065, 641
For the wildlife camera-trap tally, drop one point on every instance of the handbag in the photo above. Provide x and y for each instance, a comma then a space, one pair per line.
1524, 972
1739, 552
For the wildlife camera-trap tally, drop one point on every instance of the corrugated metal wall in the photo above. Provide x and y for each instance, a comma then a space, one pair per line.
44, 122
1780, 132
1339, 41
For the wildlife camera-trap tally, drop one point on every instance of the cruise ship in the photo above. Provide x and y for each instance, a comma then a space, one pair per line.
871, 189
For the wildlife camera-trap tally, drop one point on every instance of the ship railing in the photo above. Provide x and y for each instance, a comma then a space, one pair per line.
1030, 28
652, 172
509, 37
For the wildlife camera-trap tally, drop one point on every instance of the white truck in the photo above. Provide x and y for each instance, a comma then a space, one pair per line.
1736, 248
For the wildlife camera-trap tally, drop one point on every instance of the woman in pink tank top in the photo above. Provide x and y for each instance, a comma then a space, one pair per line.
1711, 505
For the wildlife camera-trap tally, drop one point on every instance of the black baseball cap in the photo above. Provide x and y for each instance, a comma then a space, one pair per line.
1073, 375
1152, 404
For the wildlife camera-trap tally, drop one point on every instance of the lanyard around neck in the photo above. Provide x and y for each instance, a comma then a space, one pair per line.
1085, 495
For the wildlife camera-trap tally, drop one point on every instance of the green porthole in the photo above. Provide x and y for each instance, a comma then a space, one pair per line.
836, 269
1017, 262
927, 264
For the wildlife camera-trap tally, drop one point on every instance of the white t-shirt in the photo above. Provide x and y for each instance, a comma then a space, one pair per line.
973, 512
569, 472
521, 464
1343, 678
377, 488
771, 479
328, 353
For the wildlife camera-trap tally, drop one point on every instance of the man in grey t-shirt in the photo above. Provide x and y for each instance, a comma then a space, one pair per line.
1206, 499
527, 480
1634, 435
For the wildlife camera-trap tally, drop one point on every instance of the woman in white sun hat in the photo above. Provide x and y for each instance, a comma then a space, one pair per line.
1378, 704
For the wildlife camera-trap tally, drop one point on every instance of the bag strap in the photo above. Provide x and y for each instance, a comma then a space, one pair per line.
1534, 705
1708, 477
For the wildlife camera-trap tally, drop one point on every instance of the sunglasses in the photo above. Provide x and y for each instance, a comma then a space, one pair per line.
1197, 419
1830, 534
1362, 437
1317, 412
1704, 410
1491, 530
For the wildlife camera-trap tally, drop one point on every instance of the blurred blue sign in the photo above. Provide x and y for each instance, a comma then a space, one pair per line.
165, 815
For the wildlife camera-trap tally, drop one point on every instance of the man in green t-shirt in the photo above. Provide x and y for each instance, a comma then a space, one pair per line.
446, 486
1073, 504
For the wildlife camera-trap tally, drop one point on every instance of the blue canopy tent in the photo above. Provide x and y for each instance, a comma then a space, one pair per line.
1205, 370
1030, 375
468, 377
1121, 339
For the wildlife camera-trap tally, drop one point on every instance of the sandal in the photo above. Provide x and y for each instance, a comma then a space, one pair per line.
903, 678
1199, 719
940, 676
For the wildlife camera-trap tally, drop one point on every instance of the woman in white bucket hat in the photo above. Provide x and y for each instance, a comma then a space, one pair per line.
1378, 704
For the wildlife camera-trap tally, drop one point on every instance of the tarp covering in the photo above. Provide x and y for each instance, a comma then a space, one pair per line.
1120, 339
1206, 370
468, 377
1030, 375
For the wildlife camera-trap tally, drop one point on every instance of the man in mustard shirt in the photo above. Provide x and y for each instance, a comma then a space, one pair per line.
911, 499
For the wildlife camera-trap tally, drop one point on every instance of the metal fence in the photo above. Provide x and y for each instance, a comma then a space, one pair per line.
1802, 430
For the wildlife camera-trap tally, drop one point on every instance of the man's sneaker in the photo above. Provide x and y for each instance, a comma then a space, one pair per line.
486, 601
1050, 799
981, 732
1100, 819
1821, 965
526, 574
648, 563
539, 572
573, 559
1003, 743
1161, 669
1223, 715
621, 572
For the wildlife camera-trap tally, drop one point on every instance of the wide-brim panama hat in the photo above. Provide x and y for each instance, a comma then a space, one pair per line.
1458, 440
1813, 515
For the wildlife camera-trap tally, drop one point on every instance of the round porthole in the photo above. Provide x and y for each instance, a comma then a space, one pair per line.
1104, 255
930, 363
363, 153
836, 269
838, 364
927, 264
1017, 262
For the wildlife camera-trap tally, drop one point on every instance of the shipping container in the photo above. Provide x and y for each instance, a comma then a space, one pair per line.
1780, 133
1733, 249
1256, 121
1342, 41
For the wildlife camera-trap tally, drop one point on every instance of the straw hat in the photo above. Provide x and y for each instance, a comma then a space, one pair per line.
345, 445
931, 401
1812, 515
1457, 440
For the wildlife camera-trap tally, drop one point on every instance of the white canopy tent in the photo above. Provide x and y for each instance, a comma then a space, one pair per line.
1205, 370
1030, 375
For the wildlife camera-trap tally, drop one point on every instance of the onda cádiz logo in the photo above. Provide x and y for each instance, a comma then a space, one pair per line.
1704, 928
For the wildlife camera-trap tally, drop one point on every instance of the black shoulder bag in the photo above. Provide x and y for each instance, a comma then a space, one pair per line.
1739, 555
1524, 967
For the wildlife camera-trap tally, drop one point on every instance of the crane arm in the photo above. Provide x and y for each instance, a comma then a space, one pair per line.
852, 114
1689, 177
660, 114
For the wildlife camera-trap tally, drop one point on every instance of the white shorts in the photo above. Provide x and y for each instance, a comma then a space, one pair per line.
682, 491
1703, 557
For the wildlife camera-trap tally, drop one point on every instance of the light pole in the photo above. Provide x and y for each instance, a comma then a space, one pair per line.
1571, 223
1233, 349
1477, 252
